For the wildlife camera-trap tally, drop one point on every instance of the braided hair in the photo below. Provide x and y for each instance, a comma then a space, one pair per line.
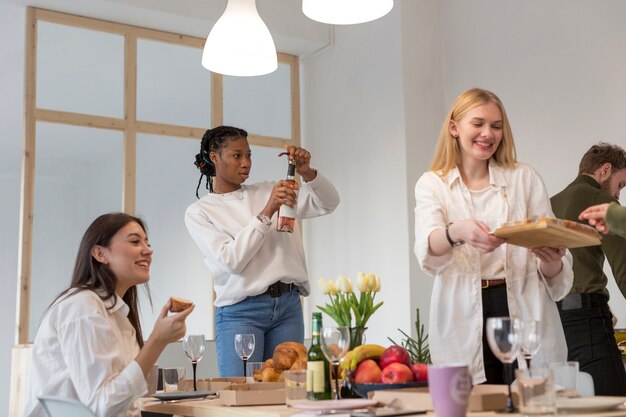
214, 140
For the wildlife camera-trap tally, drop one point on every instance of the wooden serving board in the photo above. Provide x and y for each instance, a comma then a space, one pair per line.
543, 233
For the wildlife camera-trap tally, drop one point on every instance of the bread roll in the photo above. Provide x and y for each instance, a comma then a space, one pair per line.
179, 304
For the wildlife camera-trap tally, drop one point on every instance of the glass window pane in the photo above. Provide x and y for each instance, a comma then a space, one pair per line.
78, 177
172, 85
260, 104
166, 185
80, 70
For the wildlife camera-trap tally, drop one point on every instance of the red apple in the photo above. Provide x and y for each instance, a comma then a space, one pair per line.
367, 372
420, 372
394, 354
397, 373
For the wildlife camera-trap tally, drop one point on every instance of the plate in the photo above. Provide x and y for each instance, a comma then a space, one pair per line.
345, 404
588, 403
363, 389
181, 395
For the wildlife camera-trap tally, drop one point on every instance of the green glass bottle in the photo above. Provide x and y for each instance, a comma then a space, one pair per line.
318, 381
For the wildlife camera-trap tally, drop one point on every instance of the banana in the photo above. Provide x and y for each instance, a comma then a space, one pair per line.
360, 353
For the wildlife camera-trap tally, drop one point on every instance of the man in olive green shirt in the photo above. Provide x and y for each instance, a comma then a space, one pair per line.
606, 218
585, 312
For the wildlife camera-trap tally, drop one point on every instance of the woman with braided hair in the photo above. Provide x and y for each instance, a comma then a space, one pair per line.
258, 273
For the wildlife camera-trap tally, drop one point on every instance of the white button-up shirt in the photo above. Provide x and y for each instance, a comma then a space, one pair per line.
86, 352
456, 323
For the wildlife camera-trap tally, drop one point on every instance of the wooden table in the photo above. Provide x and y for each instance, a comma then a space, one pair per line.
213, 408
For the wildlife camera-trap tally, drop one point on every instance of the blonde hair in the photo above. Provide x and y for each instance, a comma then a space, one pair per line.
447, 153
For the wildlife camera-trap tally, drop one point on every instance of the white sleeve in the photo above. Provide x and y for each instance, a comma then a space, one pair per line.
89, 347
539, 205
429, 216
317, 198
233, 253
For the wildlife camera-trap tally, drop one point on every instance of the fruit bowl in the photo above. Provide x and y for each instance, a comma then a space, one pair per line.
364, 389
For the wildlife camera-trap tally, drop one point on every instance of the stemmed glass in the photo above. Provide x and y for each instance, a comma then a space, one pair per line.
531, 339
335, 345
194, 346
504, 338
244, 346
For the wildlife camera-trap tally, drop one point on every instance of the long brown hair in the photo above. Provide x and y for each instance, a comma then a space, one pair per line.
447, 153
89, 274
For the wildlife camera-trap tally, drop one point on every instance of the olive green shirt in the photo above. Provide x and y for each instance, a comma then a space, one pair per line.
616, 219
589, 277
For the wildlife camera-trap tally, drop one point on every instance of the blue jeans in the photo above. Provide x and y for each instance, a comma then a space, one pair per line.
271, 320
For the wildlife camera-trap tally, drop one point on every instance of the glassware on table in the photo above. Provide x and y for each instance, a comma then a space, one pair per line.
335, 345
244, 346
295, 386
251, 368
173, 379
531, 339
536, 392
504, 339
566, 378
194, 346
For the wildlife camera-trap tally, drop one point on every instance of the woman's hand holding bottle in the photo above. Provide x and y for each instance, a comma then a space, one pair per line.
302, 159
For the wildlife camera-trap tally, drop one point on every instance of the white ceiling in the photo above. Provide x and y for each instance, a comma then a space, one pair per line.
293, 32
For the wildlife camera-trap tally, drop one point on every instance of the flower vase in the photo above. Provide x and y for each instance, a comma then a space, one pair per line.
357, 336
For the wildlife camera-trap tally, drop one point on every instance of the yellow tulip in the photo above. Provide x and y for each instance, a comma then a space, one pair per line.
323, 286
344, 284
362, 282
332, 288
371, 281
377, 288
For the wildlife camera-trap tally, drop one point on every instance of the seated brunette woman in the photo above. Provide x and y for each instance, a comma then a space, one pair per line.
89, 345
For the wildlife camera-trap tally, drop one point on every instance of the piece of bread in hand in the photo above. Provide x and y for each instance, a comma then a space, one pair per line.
179, 304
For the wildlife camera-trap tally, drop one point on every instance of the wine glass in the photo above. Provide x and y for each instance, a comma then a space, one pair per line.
194, 346
335, 345
244, 346
504, 338
531, 339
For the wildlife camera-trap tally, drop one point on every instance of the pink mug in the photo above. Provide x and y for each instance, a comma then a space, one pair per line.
450, 387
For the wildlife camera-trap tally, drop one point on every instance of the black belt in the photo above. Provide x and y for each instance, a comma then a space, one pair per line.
490, 283
279, 288
578, 301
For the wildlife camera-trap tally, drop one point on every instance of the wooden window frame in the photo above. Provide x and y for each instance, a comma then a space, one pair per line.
129, 125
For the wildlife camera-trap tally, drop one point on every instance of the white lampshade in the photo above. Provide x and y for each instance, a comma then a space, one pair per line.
240, 43
345, 12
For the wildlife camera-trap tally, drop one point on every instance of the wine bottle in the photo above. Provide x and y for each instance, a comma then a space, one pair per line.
318, 381
287, 215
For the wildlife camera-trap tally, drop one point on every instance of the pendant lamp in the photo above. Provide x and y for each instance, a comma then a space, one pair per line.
345, 12
240, 43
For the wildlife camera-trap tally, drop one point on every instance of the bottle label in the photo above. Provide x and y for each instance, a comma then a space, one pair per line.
315, 379
286, 211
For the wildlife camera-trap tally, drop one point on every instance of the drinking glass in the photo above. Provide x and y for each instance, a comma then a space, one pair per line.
194, 346
335, 345
531, 339
244, 346
504, 338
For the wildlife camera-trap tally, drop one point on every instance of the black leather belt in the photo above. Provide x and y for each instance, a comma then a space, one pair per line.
279, 288
577, 301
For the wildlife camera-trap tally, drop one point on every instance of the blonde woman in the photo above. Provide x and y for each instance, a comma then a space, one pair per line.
474, 185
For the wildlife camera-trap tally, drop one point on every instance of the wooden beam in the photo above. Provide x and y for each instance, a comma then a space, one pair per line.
129, 199
79, 119
27, 197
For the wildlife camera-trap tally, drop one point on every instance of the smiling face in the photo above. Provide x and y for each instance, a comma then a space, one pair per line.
128, 255
232, 165
614, 183
478, 133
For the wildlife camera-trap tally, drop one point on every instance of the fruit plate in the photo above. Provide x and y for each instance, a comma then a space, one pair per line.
364, 389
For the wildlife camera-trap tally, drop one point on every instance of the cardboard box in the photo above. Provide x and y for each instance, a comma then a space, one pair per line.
213, 384
483, 397
259, 393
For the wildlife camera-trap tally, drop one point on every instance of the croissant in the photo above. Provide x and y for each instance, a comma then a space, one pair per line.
287, 355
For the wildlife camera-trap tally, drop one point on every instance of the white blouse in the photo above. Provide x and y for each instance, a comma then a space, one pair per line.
85, 352
456, 324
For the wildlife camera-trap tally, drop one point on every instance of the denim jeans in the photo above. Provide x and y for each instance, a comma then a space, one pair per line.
271, 320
